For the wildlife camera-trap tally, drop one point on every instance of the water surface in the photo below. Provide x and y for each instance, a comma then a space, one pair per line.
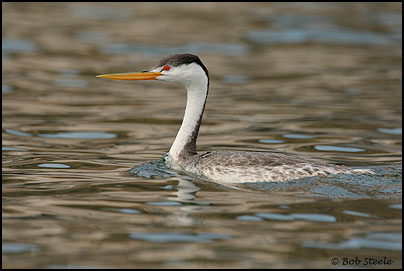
320, 80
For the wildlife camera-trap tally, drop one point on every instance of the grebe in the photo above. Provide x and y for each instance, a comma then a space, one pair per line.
221, 166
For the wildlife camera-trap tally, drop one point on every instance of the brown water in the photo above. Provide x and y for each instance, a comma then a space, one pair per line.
318, 80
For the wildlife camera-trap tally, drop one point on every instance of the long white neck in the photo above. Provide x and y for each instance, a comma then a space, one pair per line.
185, 141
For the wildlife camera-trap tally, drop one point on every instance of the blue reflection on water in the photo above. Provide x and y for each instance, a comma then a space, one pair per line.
354, 213
299, 28
64, 82
394, 131
335, 148
385, 241
17, 247
53, 165
271, 141
146, 49
92, 11
11, 149
5, 89
164, 237
294, 216
248, 218
9, 46
13, 132
236, 79
122, 210
80, 135
164, 203
298, 136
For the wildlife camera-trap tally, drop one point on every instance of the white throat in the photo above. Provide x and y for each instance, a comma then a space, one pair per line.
185, 141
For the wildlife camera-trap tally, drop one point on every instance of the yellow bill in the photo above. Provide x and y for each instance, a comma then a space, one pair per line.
131, 76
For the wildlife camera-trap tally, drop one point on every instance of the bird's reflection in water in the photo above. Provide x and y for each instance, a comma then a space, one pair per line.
186, 194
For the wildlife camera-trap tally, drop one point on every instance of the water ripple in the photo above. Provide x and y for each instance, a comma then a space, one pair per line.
155, 50
339, 149
165, 237
384, 241
80, 135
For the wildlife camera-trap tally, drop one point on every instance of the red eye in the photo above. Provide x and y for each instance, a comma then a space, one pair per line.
166, 68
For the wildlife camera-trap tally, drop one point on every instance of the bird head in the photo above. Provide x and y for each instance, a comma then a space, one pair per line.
185, 69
